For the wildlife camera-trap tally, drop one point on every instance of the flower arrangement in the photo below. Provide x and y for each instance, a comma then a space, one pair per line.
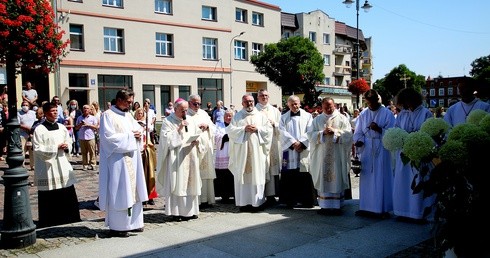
451, 166
29, 36
394, 138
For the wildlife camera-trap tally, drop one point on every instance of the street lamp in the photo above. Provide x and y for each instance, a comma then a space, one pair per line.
231, 67
366, 8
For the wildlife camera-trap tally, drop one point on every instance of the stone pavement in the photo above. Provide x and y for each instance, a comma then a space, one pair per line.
90, 237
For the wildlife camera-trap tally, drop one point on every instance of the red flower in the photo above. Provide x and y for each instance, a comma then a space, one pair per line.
358, 87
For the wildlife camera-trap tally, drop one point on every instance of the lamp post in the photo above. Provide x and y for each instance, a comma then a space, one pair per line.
366, 8
231, 67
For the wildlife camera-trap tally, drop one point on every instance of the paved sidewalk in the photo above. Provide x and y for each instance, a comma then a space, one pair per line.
220, 231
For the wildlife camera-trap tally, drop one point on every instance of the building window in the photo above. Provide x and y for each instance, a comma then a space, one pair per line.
326, 59
113, 40
163, 6
149, 93
209, 13
209, 47
184, 92
450, 91
326, 38
286, 35
165, 97
241, 15
432, 92
441, 102
313, 36
76, 37
257, 19
109, 85
164, 44
113, 3
432, 84
240, 50
424, 92
326, 81
441, 92
78, 80
256, 48
210, 90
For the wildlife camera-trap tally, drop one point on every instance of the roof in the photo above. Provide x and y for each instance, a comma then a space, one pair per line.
288, 20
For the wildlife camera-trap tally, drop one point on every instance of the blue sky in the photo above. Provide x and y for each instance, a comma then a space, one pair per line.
431, 37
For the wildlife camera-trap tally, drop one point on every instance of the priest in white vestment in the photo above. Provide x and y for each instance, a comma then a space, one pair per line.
274, 159
206, 139
250, 134
54, 175
178, 177
376, 179
295, 183
330, 138
122, 187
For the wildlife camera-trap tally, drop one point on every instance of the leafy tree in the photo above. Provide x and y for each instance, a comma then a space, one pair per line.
398, 78
358, 87
294, 64
481, 72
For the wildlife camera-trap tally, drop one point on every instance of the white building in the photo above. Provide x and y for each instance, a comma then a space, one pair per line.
164, 49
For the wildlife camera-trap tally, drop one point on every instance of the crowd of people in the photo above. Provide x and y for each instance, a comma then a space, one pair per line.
256, 157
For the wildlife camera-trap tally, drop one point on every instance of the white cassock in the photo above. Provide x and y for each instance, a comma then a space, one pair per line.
376, 179
122, 187
248, 156
458, 112
330, 158
206, 164
405, 202
275, 155
178, 178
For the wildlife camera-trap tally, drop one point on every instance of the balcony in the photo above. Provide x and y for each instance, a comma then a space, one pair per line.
342, 50
342, 71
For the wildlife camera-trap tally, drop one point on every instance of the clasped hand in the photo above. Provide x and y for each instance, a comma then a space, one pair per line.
250, 128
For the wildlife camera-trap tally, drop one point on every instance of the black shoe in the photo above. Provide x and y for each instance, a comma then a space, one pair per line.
189, 218
247, 208
138, 230
271, 201
304, 206
115, 233
151, 202
205, 205
176, 218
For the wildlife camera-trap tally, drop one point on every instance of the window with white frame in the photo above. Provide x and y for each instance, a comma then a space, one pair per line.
313, 36
432, 92
76, 37
209, 46
450, 91
241, 15
441, 102
209, 13
113, 3
326, 59
257, 19
164, 44
163, 6
257, 48
326, 81
424, 92
240, 50
113, 40
441, 92
326, 38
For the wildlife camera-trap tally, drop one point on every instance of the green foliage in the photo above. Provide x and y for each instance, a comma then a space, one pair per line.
294, 64
394, 81
481, 72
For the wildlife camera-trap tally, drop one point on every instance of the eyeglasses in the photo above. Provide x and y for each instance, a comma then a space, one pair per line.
196, 104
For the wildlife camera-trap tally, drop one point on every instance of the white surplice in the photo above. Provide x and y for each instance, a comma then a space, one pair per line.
458, 112
206, 164
178, 177
122, 187
275, 154
248, 156
376, 179
405, 202
330, 158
